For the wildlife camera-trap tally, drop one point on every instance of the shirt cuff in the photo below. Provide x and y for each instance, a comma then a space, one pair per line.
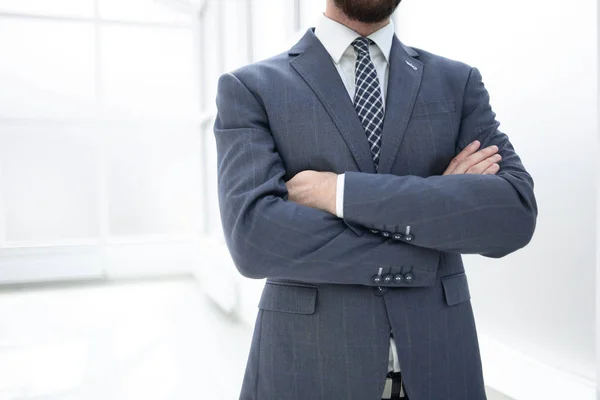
339, 196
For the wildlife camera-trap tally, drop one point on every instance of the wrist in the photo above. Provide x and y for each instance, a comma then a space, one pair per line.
331, 194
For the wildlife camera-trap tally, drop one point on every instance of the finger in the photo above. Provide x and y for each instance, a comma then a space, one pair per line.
478, 157
475, 159
492, 170
467, 151
470, 149
484, 165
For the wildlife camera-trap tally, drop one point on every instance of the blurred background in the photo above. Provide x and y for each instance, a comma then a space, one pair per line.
115, 282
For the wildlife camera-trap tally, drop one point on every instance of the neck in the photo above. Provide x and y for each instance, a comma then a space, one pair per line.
363, 29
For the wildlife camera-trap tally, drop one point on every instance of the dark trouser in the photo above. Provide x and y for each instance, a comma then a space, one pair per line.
394, 387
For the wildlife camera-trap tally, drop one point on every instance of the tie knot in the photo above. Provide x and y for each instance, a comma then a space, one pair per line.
361, 45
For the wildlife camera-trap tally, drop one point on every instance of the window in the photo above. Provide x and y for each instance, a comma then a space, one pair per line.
47, 68
273, 25
69, 8
106, 118
100, 149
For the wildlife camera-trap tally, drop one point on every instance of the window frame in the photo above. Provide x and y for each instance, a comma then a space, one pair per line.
105, 255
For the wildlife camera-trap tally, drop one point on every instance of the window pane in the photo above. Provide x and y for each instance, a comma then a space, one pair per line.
277, 35
49, 182
80, 8
47, 67
211, 53
144, 10
154, 180
235, 42
149, 70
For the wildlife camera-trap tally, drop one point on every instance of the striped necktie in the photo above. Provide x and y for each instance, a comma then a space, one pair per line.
368, 101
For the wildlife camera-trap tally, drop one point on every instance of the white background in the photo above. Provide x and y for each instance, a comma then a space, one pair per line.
538, 60
107, 157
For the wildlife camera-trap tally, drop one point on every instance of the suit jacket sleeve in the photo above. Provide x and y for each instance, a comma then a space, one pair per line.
491, 215
270, 237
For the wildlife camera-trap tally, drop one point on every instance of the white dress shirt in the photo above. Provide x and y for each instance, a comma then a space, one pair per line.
337, 40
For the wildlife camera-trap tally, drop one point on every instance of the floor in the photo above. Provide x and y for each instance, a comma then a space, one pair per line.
147, 340
493, 395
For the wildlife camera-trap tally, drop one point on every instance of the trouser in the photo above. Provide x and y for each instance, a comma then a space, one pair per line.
394, 387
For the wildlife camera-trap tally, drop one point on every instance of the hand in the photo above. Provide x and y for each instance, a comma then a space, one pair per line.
471, 161
314, 189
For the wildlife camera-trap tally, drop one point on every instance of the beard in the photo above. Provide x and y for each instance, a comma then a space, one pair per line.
367, 11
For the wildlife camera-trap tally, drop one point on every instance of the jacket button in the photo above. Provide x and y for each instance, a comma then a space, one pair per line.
375, 231
386, 234
408, 238
379, 291
387, 279
397, 236
377, 279
398, 278
409, 277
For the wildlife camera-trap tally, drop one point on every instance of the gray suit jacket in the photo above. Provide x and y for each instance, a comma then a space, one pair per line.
325, 318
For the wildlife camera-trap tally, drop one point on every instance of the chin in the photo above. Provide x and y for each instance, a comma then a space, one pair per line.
367, 11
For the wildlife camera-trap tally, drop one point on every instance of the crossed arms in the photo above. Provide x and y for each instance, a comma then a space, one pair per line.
268, 235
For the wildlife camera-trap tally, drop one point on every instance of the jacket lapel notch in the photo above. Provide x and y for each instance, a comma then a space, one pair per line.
404, 82
313, 63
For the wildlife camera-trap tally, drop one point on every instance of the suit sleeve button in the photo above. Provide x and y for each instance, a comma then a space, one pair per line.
408, 238
387, 279
409, 277
375, 231
386, 234
397, 236
398, 278
379, 291
377, 279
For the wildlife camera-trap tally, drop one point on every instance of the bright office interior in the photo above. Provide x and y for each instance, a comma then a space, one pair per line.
115, 282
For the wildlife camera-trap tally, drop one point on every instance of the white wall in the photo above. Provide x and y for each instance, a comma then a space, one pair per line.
538, 60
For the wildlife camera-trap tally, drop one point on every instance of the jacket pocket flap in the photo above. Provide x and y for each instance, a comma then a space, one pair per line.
456, 289
433, 107
288, 298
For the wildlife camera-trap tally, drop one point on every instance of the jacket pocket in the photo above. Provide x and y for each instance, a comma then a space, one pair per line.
433, 107
456, 288
288, 298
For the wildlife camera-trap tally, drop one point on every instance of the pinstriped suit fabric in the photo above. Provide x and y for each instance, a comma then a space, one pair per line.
323, 326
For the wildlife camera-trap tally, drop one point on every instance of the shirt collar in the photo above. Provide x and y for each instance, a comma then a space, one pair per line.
336, 37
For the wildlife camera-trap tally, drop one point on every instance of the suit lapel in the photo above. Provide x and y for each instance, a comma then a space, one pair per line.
313, 63
404, 82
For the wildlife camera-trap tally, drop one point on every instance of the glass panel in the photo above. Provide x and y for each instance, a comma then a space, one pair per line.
235, 19
154, 180
79, 8
277, 35
211, 53
146, 10
47, 67
49, 182
149, 70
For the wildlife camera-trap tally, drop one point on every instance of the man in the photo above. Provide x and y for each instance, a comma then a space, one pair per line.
353, 171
